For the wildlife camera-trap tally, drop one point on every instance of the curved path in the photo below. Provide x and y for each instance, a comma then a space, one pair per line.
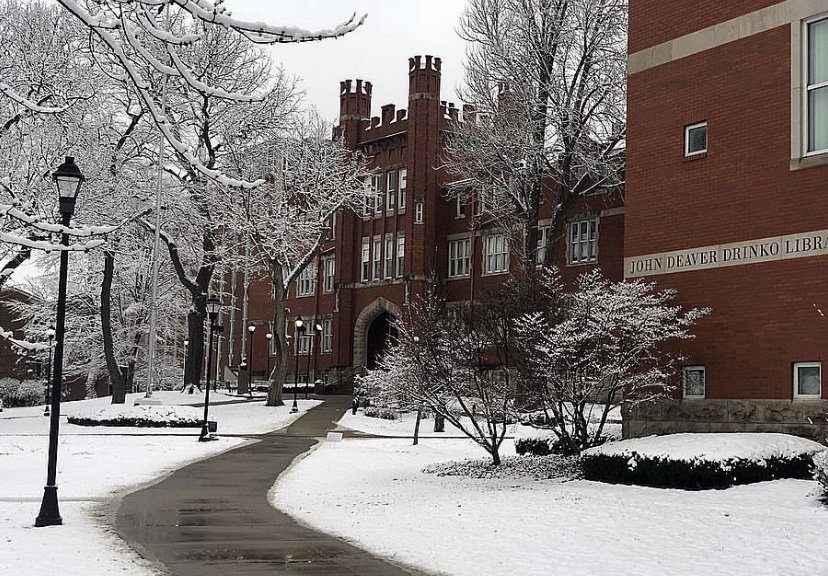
213, 518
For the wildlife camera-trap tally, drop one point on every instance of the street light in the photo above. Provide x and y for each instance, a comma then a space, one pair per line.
318, 329
251, 328
269, 337
213, 309
299, 324
186, 343
50, 332
68, 179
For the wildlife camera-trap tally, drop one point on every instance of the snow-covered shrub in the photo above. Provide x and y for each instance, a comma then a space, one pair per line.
382, 413
701, 461
535, 446
15, 393
821, 471
139, 416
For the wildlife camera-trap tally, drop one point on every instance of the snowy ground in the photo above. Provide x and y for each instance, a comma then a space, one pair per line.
381, 500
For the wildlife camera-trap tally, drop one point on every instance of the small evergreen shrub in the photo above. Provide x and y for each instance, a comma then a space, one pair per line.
535, 446
16, 394
821, 471
382, 413
697, 474
134, 421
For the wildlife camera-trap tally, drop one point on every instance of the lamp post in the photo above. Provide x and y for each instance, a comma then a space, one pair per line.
269, 337
299, 326
318, 332
251, 328
68, 179
50, 332
213, 309
186, 343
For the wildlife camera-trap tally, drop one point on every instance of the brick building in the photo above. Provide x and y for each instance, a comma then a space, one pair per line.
727, 175
407, 230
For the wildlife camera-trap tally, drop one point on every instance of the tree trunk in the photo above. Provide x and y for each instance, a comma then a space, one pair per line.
116, 379
417, 426
274, 396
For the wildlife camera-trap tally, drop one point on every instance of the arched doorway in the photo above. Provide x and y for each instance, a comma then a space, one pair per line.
381, 333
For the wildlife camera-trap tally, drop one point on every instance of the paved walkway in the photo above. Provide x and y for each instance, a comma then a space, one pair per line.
213, 518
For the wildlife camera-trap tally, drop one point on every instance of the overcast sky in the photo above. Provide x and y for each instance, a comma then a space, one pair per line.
378, 51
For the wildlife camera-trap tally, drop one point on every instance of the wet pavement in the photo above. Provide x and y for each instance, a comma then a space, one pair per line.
213, 518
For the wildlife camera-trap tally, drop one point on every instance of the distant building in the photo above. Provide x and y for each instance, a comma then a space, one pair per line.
408, 229
727, 202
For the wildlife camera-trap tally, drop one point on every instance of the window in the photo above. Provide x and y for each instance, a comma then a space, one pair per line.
378, 178
458, 262
543, 238
327, 335
390, 189
490, 199
307, 280
418, 212
807, 379
303, 344
330, 270
460, 211
695, 138
403, 182
330, 224
389, 257
366, 259
816, 125
583, 241
377, 261
400, 255
495, 254
692, 380
367, 196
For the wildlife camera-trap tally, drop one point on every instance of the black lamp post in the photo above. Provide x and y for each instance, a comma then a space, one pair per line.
213, 309
316, 345
251, 329
299, 324
68, 179
269, 337
50, 332
186, 343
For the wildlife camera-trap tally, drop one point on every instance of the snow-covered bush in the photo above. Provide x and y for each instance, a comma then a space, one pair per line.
15, 393
821, 471
139, 416
701, 461
382, 413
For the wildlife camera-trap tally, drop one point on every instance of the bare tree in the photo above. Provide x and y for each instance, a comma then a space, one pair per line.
546, 81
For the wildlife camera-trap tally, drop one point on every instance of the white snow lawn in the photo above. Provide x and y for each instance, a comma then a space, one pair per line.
374, 493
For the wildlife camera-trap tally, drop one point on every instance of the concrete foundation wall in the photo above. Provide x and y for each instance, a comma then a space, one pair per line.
801, 418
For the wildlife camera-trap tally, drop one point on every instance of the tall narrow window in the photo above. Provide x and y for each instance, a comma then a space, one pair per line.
695, 139
543, 238
378, 191
367, 196
807, 380
366, 258
495, 254
327, 335
418, 212
377, 259
390, 189
693, 381
330, 270
400, 255
307, 280
458, 257
460, 210
389, 257
817, 86
403, 182
583, 241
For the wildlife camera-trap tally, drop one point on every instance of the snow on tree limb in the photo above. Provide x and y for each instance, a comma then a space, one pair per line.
28, 104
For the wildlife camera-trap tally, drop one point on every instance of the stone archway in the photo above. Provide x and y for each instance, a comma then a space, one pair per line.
380, 309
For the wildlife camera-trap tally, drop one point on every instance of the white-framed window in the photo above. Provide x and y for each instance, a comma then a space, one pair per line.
583, 241
459, 252
327, 335
366, 259
543, 238
490, 199
692, 381
377, 259
816, 86
378, 192
460, 208
303, 344
400, 255
418, 212
330, 224
390, 189
695, 138
807, 379
367, 196
495, 254
389, 257
402, 180
329, 270
307, 280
